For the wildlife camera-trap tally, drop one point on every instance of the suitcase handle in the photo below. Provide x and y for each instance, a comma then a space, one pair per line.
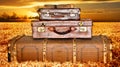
62, 30
57, 15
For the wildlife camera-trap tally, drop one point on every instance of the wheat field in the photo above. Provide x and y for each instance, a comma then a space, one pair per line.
8, 30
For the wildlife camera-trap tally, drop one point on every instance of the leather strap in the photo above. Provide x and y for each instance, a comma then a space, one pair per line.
11, 47
74, 51
44, 50
104, 50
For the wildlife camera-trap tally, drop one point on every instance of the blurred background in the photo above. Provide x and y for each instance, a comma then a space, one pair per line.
97, 10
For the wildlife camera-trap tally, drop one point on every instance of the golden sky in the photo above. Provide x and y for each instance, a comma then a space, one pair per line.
29, 7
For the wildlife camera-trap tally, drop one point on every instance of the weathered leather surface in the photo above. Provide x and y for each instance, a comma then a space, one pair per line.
62, 29
61, 50
59, 13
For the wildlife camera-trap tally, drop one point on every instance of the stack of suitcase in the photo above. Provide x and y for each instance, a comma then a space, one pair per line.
59, 36
61, 22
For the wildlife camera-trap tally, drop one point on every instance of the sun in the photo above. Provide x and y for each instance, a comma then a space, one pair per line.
32, 14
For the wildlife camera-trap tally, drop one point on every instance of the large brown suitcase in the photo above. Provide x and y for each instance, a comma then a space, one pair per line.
59, 13
25, 48
62, 29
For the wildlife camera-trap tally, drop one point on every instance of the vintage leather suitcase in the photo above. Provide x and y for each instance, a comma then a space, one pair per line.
62, 29
25, 48
59, 13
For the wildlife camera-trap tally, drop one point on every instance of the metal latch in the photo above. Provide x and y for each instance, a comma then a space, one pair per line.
42, 28
83, 29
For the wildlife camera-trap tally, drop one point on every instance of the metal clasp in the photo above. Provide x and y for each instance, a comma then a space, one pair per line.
83, 29
42, 28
